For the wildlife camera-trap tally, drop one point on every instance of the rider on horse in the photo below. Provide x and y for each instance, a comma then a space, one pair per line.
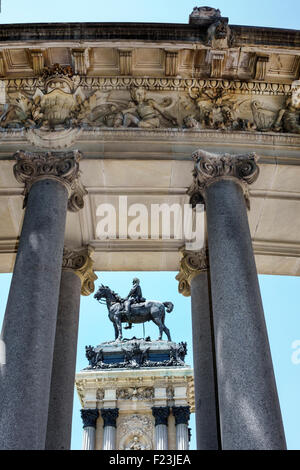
134, 296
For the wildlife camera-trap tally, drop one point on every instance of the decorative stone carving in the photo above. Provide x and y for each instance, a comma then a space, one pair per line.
288, 119
136, 355
81, 60
135, 432
136, 443
191, 264
217, 109
110, 416
62, 166
37, 57
89, 417
135, 393
145, 112
182, 414
204, 13
209, 167
81, 263
171, 63
161, 414
219, 34
125, 58
261, 67
2, 69
100, 394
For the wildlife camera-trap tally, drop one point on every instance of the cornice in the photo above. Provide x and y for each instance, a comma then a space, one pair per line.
40, 32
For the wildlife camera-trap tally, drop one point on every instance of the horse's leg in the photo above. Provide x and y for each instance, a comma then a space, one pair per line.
116, 330
158, 317
119, 327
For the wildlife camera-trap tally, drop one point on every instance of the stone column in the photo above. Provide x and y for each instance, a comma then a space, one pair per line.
109, 416
89, 419
182, 416
51, 185
161, 414
194, 281
77, 278
250, 416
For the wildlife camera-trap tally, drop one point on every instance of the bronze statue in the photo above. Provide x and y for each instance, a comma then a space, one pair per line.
134, 296
137, 313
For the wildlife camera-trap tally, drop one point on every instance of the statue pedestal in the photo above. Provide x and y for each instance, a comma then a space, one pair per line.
143, 381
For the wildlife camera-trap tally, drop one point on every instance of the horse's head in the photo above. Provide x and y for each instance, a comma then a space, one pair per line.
101, 292
104, 292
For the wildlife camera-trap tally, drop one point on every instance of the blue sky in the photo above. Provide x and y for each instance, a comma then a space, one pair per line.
280, 294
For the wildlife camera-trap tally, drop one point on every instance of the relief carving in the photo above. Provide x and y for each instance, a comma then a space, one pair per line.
135, 432
135, 393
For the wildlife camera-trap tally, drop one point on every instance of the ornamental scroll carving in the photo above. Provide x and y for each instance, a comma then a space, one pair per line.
191, 264
80, 262
209, 167
62, 166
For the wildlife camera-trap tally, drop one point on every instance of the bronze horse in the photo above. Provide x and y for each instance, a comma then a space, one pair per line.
140, 313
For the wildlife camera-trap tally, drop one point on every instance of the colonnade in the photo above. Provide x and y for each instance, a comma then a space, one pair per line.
161, 415
237, 405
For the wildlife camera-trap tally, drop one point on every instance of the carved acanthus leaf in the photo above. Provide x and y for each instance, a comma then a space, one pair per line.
209, 167
191, 264
61, 166
81, 263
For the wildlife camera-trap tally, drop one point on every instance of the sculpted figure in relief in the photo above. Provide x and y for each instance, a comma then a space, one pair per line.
145, 112
288, 118
217, 109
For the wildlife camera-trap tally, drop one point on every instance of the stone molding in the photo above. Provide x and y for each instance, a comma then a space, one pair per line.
181, 414
80, 262
161, 414
110, 416
89, 417
211, 167
191, 264
60, 166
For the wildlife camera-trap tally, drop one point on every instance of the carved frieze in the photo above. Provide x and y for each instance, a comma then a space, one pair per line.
80, 262
52, 110
62, 166
135, 393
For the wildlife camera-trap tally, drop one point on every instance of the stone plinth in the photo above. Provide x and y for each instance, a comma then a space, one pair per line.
135, 377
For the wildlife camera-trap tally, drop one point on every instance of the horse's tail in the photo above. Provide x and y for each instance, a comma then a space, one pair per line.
169, 306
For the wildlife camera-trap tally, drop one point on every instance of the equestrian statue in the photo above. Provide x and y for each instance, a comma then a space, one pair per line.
133, 309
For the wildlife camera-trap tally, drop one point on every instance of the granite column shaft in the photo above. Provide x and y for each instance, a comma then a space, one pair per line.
30, 318
250, 416
205, 380
64, 360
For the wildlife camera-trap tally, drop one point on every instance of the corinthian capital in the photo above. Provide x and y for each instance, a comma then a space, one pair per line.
80, 262
61, 166
191, 264
210, 167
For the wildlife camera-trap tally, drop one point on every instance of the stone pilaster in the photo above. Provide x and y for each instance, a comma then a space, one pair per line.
161, 415
247, 391
77, 277
109, 416
51, 183
89, 418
